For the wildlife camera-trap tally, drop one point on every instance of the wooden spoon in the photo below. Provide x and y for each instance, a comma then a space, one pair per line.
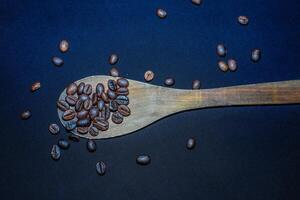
149, 103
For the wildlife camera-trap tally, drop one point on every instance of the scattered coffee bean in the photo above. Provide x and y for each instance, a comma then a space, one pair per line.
124, 110
82, 130
169, 81
26, 115
69, 115
161, 13
80, 88
71, 89
70, 125
74, 138
99, 89
221, 50
93, 131
113, 59
101, 168
197, 2
94, 112
35, 86
243, 20
91, 145
122, 82
256, 55
122, 100
101, 124
113, 106
122, 91
223, 66
112, 85
64, 46
87, 89
54, 129
87, 104
57, 61
232, 65
117, 118
71, 100
143, 159
79, 105
111, 94
82, 114
83, 122
55, 152
191, 143
196, 84
101, 105
114, 72
62, 105
149, 75
64, 144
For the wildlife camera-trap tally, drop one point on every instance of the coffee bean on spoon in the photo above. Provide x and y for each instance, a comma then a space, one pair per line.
169, 81
114, 72
55, 152
80, 88
191, 143
197, 2
91, 145
101, 124
62, 105
94, 112
94, 99
124, 110
223, 66
117, 118
87, 104
35, 86
84, 97
161, 13
93, 131
232, 65
57, 61
54, 129
64, 46
70, 125
243, 20
71, 89
104, 97
143, 159
113, 106
64, 144
101, 105
122, 91
69, 115
83, 122
87, 89
105, 113
256, 55
71, 100
113, 59
79, 105
221, 50
99, 89
149, 75
196, 84
122, 100
101, 168
112, 85
82, 130
82, 114
122, 82
111, 94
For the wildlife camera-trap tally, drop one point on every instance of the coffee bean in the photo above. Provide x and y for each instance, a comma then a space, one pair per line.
91, 145
26, 115
101, 168
243, 20
221, 50
169, 81
70, 125
84, 97
93, 131
55, 152
105, 113
82, 114
101, 105
104, 97
122, 100
57, 61
197, 2
117, 118
94, 99
54, 129
99, 89
80, 88
113, 106
122, 82
83, 122
149, 75
223, 66
87, 89
82, 130
232, 65
191, 143
79, 105
256, 55
113, 59
35, 86
124, 110
74, 138
111, 94
87, 104
161, 13
69, 115
62, 105
94, 112
64, 144
64, 46
143, 159
122, 91
71, 89
196, 84
71, 100
114, 72
112, 85
101, 124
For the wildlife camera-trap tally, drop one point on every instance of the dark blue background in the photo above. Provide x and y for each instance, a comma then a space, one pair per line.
242, 152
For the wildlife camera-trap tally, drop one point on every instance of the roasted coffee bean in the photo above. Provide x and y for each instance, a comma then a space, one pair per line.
232, 65
101, 105
83, 122
124, 110
87, 104
69, 115
62, 105
197, 2
122, 82
113, 59
143, 159
256, 55
64, 144
122, 100
79, 105
87, 89
99, 89
161, 13
35, 86
221, 50
94, 99
55, 152
223, 66
122, 91
191, 143
101, 168
101, 124
57, 61
169, 81
149, 75
54, 129
196, 84
113, 106
243, 20
70, 125
93, 131
82, 114
105, 113
71, 100
84, 97
71, 89
91, 145
117, 118
82, 130
104, 97
112, 85
114, 72
74, 138
111, 94
80, 88
94, 112
64, 46
26, 115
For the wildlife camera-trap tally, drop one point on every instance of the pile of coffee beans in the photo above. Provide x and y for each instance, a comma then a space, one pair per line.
88, 112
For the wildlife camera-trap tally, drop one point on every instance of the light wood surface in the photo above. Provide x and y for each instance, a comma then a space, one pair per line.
149, 103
